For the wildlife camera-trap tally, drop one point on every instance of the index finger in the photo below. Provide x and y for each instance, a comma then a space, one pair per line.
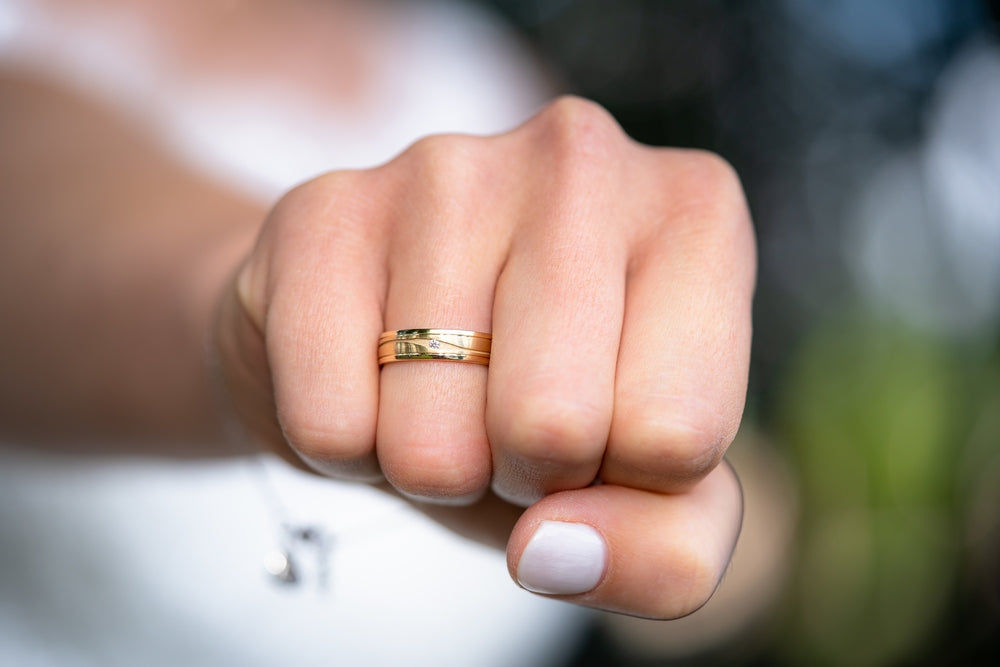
684, 358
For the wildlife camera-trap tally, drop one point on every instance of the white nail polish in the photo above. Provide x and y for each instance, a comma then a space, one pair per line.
562, 559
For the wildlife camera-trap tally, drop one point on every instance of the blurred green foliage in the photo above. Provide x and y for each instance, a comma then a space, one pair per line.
875, 417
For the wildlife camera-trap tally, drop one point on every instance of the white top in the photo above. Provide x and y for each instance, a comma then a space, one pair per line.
138, 562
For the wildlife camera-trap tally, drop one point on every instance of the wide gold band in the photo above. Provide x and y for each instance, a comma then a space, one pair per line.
434, 344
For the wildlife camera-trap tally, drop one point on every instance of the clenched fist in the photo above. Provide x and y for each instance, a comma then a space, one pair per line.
616, 280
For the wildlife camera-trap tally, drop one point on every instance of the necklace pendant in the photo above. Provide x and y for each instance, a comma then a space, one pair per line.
281, 567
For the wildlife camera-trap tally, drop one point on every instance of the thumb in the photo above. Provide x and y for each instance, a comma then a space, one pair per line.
628, 550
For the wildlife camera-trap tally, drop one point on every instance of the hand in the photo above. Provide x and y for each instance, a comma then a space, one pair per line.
617, 281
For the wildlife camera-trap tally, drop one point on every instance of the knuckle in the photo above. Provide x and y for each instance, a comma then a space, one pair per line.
429, 475
443, 179
548, 432
308, 197
577, 126
444, 162
713, 170
327, 438
581, 139
295, 200
581, 154
693, 448
710, 192
334, 206
674, 448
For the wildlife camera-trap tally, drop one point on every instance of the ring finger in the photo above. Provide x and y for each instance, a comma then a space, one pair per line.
431, 436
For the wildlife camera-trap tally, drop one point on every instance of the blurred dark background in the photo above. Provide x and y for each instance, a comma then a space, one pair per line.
867, 135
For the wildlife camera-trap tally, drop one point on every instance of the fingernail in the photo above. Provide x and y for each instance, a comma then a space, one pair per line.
562, 559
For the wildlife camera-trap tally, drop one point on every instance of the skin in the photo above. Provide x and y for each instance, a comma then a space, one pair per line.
617, 281
616, 278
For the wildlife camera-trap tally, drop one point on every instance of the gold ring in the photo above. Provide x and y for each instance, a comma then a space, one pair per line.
434, 344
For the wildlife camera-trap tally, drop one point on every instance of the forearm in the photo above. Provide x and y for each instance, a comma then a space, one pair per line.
112, 256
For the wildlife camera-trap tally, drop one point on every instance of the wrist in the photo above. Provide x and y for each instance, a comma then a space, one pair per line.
206, 286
